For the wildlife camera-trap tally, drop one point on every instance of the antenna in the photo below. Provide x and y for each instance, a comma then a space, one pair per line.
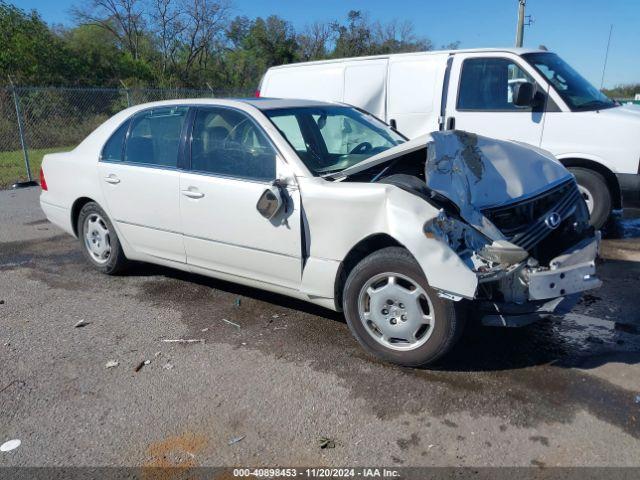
606, 56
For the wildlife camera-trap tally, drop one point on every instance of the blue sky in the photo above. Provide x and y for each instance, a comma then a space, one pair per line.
577, 30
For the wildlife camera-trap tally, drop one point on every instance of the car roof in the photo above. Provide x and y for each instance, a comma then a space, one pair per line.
265, 103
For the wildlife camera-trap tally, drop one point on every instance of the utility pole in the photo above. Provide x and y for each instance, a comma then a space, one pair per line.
520, 29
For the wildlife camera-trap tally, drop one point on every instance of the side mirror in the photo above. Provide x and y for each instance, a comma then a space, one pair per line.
523, 94
270, 202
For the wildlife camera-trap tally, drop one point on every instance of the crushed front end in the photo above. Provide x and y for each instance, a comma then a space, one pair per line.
533, 255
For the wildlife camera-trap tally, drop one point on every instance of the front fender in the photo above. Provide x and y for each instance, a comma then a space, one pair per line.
340, 215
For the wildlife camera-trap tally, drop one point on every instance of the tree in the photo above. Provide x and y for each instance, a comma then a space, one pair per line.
31, 53
123, 18
312, 41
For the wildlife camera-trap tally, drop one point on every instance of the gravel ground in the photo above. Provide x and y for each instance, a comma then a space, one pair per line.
560, 392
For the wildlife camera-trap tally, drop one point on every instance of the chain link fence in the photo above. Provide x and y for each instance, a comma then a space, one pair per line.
35, 121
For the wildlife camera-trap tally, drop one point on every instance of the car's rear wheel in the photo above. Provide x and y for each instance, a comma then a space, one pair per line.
394, 313
99, 240
595, 192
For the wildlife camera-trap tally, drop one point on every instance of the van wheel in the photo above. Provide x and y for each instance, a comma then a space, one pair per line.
593, 188
99, 240
394, 313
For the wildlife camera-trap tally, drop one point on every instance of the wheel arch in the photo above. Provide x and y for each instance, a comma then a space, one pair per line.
360, 250
75, 211
608, 175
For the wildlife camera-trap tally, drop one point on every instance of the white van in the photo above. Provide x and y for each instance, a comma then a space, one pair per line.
530, 96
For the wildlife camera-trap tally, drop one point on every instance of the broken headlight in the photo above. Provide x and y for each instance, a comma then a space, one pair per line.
461, 237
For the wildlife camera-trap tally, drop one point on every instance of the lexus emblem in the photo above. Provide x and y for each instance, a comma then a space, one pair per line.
553, 220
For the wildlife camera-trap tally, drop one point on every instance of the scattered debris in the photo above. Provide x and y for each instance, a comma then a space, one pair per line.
81, 323
10, 445
205, 329
275, 316
235, 440
326, 443
111, 364
142, 364
183, 340
167, 366
157, 354
637, 398
231, 323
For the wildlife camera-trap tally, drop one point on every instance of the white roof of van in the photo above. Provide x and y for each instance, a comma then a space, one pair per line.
516, 51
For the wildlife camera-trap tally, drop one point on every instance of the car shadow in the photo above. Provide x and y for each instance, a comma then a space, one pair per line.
576, 340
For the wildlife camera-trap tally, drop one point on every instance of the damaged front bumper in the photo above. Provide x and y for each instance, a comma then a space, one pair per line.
527, 293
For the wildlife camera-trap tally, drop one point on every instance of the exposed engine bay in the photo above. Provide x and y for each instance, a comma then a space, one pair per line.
512, 213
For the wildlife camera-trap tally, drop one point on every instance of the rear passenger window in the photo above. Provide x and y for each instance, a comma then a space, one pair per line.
488, 84
112, 151
227, 142
154, 137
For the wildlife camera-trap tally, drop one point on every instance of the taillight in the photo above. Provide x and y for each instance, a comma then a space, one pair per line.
257, 93
43, 182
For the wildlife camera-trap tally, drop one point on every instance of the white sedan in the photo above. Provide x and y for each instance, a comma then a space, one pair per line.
326, 203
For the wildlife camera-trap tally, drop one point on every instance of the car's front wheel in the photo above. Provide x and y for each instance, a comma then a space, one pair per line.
99, 240
394, 313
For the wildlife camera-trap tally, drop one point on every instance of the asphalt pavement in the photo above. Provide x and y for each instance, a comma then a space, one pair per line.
266, 377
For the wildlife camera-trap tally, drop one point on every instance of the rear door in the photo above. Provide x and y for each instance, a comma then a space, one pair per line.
480, 98
140, 181
230, 163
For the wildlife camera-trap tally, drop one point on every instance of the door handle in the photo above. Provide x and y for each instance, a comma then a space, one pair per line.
112, 179
192, 194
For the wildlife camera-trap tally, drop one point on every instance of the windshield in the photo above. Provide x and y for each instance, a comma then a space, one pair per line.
572, 87
330, 139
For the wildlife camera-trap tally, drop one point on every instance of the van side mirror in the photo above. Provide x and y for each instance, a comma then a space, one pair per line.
523, 94
270, 202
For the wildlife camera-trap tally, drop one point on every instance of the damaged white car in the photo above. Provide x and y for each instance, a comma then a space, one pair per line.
326, 203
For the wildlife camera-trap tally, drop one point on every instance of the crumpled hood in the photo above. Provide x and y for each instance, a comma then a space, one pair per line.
477, 172
485, 172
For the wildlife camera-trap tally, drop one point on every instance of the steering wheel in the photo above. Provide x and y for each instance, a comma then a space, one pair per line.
361, 148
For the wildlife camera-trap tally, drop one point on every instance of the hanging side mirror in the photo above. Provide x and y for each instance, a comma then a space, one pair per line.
270, 202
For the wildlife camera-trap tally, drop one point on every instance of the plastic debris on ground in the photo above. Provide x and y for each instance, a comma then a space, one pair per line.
111, 364
183, 340
236, 439
327, 443
10, 445
238, 302
142, 364
81, 323
231, 323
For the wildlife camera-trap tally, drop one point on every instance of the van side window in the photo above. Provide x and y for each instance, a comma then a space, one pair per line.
488, 83
112, 151
227, 142
154, 138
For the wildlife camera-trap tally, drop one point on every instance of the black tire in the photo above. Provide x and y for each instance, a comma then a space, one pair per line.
448, 324
596, 187
116, 262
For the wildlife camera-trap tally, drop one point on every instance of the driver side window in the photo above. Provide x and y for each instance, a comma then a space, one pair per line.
228, 143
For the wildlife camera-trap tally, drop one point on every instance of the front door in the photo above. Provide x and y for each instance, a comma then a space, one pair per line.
231, 162
140, 181
480, 99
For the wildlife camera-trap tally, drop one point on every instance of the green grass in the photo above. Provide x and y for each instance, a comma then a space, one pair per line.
12, 168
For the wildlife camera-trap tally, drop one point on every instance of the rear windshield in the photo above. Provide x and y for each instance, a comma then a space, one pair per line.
330, 139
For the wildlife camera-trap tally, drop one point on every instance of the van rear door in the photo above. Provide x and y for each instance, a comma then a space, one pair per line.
415, 92
481, 97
